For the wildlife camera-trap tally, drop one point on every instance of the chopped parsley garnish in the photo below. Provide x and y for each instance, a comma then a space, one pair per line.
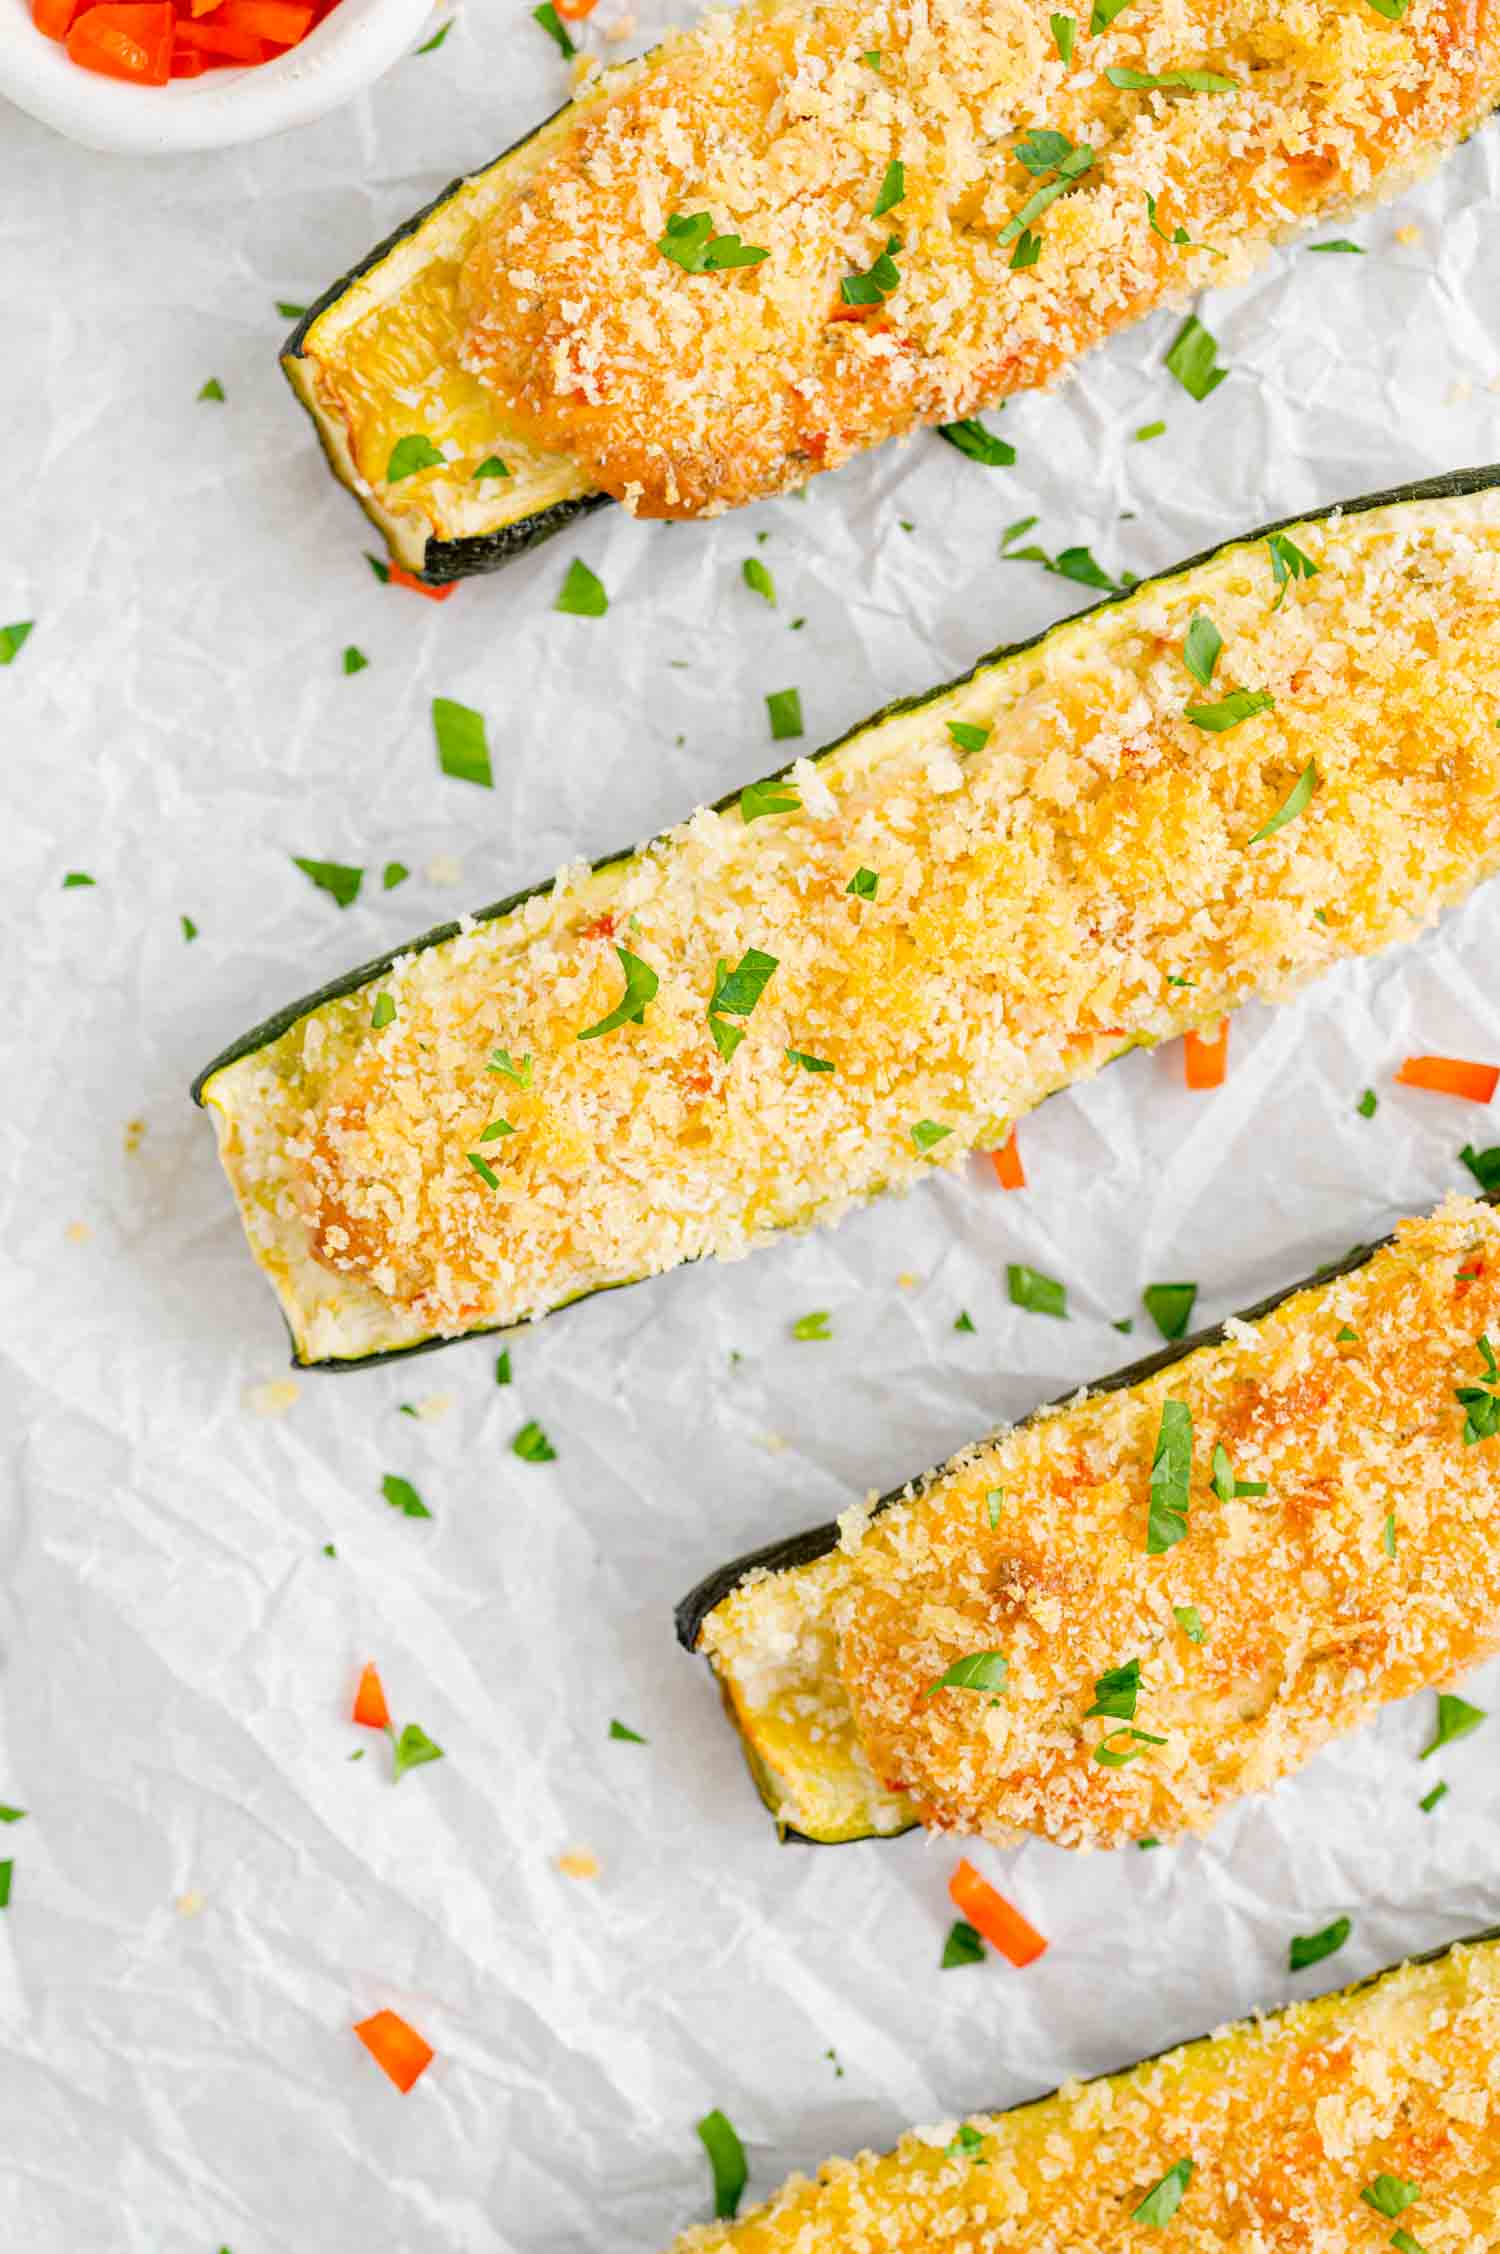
413, 1749
980, 1671
1077, 564
1038, 1294
1345, 1335
1109, 1755
1339, 242
495, 1129
963, 1946
808, 1064
1180, 239
1149, 430
927, 1133
380, 567
1388, 1534
1429, 1800
462, 746
1169, 1306
581, 594
1190, 1620
813, 1326
758, 579
1200, 649
690, 242
617, 1730
483, 1169
641, 983
431, 46
1391, 2195
1312, 1948
1225, 1485
7, 1872
1392, 10
11, 1815
503, 1061
1064, 31
13, 639
412, 453
1191, 359
1152, 81
892, 189
1171, 1477
532, 1445
402, 1496
491, 466
384, 1012
1367, 1105
963, 1321
1402, 2240
332, 877
784, 711
735, 994
1218, 719
1481, 1401
875, 285
1027, 251
1044, 150
502, 1367
871, 56
1456, 1718
1287, 563
965, 2145
1484, 1165
76, 879
863, 884
726, 2157
992, 1502
1116, 1692
777, 796
557, 31
288, 310
1165, 2197
213, 389
355, 660
966, 735
981, 445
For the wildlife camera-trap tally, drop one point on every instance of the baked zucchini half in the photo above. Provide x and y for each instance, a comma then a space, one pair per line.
1182, 1582
1309, 2128
867, 965
757, 252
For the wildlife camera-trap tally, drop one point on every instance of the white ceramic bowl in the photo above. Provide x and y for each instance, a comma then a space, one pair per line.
347, 51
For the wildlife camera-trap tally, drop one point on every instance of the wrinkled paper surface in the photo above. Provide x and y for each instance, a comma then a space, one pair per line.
207, 1891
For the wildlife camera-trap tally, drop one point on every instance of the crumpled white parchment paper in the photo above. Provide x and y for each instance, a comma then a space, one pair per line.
207, 1892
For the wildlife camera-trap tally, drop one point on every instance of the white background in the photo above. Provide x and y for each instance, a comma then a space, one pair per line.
207, 1893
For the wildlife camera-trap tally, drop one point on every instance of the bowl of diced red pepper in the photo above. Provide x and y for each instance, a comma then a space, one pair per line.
157, 76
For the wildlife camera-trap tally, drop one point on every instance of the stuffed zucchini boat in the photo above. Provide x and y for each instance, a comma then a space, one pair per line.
1114, 1619
1307, 2131
1277, 757
798, 230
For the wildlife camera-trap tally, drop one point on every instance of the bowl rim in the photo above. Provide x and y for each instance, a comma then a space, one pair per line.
353, 45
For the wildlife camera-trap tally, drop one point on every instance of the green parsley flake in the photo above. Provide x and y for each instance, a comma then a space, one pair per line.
1149, 430
355, 660
814, 1326
1456, 1718
1116, 1692
491, 466
413, 1749
1165, 2196
871, 56
557, 31
808, 1064
1108, 1754
618, 1732
966, 2145
992, 1504
402, 1496
213, 389
892, 189
1339, 242
964, 1321
875, 285
1225, 1485
412, 453
483, 1169
690, 242
380, 567
1484, 1165
726, 2157
581, 594
1392, 10
775, 796
384, 1012
1191, 359
981, 445
333, 877
758, 579
7, 1871
76, 880
13, 639
1429, 1800
1038, 1294
462, 746
1402, 2240
1027, 251
431, 46
784, 710
1151, 81
1368, 1102
495, 1129
1046, 151
1391, 2195
532, 1445
288, 310
1190, 1620
502, 1061
1312, 1948
1388, 1534
1077, 564
1218, 719
1287, 563
735, 994
927, 1134
502, 1367
1169, 1306
641, 983
863, 884
1481, 1401
1064, 31
966, 735
1171, 1477
980, 1671
1200, 650
962, 1946
1179, 239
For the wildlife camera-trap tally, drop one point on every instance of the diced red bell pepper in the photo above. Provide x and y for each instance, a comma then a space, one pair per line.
1205, 1057
370, 1709
211, 37
281, 22
129, 39
574, 11
400, 578
53, 18
188, 62
989, 1913
1451, 1076
395, 2047
1009, 1171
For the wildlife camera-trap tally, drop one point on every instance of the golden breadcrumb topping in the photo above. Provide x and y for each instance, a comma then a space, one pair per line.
1363, 1564
685, 392
1285, 2123
1035, 900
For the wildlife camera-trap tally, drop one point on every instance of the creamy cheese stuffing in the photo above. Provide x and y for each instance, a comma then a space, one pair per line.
682, 393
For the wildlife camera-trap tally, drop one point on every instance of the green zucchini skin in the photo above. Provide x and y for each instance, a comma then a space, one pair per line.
820, 1541
1452, 485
